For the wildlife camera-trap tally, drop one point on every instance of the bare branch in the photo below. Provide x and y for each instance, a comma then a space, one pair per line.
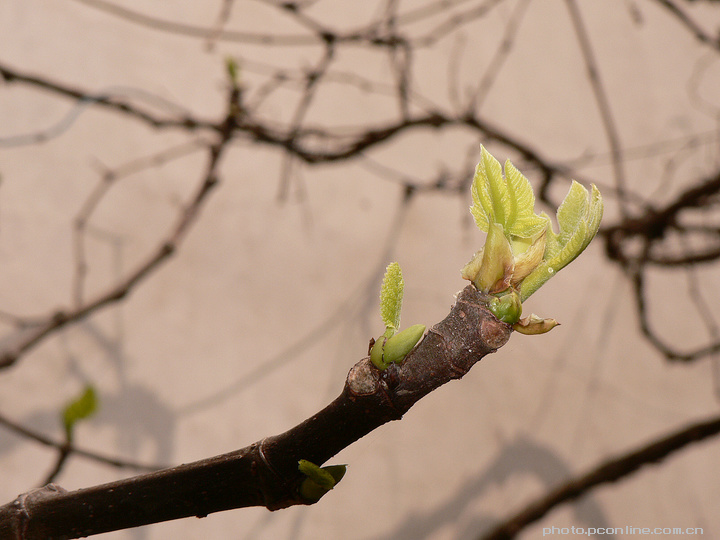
603, 103
266, 473
691, 25
34, 335
117, 104
611, 470
70, 449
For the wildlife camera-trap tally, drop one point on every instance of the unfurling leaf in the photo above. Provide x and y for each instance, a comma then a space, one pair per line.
528, 260
578, 218
391, 295
522, 251
507, 201
392, 347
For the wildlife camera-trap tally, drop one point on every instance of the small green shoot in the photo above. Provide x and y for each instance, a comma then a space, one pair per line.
578, 218
522, 251
319, 480
84, 406
393, 347
233, 71
391, 296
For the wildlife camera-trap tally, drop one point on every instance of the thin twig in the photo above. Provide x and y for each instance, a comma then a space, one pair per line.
120, 290
691, 25
71, 449
612, 470
603, 103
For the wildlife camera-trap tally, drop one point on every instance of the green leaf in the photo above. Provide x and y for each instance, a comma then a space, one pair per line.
81, 408
391, 295
525, 222
508, 201
522, 251
595, 214
486, 190
571, 212
578, 218
497, 188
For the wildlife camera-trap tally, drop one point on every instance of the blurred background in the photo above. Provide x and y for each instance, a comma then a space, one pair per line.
214, 280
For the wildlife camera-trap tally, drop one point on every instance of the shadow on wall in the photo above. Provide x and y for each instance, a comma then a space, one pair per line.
520, 458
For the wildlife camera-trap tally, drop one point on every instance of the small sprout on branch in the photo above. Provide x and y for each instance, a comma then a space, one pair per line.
393, 347
84, 406
398, 346
522, 251
319, 480
391, 296
233, 71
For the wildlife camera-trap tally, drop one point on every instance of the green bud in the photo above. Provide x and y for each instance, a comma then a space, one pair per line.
84, 406
397, 347
507, 307
233, 70
497, 265
522, 250
376, 354
319, 480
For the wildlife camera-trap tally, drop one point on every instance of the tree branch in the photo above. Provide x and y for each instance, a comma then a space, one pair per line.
118, 104
72, 449
164, 251
611, 470
266, 472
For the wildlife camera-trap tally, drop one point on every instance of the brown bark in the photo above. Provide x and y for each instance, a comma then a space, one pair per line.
266, 473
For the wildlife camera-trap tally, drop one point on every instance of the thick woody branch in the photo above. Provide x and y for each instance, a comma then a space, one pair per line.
266, 473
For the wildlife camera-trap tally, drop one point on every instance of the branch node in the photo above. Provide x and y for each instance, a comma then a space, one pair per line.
362, 380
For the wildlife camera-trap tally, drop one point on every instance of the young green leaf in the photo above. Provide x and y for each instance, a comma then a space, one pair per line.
525, 222
391, 295
81, 408
507, 201
321, 477
522, 251
578, 218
